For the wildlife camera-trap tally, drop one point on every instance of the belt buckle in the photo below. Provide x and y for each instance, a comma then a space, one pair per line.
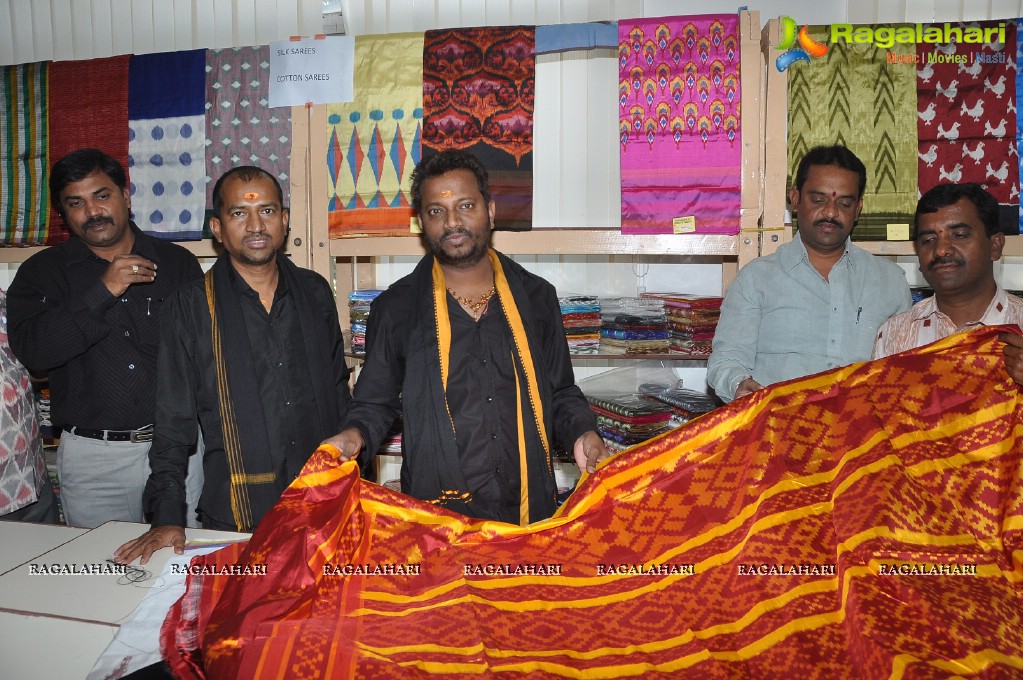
143, 434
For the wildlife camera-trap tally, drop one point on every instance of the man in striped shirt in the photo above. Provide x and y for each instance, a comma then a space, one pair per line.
957, 240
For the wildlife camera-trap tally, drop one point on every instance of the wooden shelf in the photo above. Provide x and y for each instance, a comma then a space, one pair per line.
554, 242
1013, 247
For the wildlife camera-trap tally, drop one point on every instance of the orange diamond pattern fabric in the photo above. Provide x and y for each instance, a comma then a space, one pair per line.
861, 523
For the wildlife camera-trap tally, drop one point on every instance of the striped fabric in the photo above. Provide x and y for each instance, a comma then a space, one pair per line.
866, 522
23, 168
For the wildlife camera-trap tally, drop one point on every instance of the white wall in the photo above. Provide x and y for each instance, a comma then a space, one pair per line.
61, 30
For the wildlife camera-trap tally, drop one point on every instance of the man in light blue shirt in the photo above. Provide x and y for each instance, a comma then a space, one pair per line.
817, 302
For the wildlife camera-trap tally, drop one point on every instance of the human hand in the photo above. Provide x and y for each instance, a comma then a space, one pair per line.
349, 442
589, 450
125, 270
747, 386
1013, 355
148, 543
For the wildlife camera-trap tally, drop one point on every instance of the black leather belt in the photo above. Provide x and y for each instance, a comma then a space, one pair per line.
143, 434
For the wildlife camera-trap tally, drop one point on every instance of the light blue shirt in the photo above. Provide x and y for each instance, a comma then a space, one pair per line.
781, 319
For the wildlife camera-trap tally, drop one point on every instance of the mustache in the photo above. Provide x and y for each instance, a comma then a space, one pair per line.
459, 231
938, 261
96, 221
827, 220
255, 237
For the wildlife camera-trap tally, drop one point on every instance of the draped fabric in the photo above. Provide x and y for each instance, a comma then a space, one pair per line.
240, 128
966, 133
478, 94
373, 143
679, 134
854, 96
863, 522
23, 143
167, 142
81, 117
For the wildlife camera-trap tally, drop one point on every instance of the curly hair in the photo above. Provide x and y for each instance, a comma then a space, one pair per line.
444, 162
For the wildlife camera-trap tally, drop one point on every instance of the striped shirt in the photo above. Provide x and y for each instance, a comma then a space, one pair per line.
924, 323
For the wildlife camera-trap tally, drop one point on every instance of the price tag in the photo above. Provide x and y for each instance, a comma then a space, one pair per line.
898, 232
684, 225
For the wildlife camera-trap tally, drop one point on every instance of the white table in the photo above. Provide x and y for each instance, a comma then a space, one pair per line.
56, 626
22, 541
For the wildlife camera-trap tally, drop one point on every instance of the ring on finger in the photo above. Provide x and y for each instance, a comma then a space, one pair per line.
134, 269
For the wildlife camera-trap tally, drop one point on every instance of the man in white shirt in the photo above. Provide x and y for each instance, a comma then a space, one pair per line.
957, 240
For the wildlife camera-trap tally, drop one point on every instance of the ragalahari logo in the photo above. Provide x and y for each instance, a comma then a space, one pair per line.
808, 47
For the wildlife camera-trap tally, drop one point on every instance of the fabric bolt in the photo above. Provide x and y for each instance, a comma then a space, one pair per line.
87, 120
240, 128
166, 143
965, 132
855, 97
24, 138
894, 531
478, 96
679, 123
374, 142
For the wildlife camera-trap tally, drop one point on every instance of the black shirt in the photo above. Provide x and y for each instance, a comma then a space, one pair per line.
189, 395
481, 395
98, 350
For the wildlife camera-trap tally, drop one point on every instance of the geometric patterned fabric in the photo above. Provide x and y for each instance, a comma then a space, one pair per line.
479, 87
679, 137
865, 522
373, 143
241, 129
166, 147
853, 96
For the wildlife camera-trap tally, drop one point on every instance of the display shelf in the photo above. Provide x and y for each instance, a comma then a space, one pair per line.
1013, 247
553, 242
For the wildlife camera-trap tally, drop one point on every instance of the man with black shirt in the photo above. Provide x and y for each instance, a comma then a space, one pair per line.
253, 354
471, 350
86, 313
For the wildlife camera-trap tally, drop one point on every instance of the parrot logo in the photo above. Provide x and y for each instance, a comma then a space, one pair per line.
808, 47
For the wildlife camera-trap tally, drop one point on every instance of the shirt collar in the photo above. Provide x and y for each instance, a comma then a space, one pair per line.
790, 257
991, 317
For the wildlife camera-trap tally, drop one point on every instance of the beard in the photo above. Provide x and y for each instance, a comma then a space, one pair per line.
477, 251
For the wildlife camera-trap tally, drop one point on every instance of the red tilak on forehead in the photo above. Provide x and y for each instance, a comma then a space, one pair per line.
834, 194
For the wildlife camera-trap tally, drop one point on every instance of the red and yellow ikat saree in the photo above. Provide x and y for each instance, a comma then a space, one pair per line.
861, 523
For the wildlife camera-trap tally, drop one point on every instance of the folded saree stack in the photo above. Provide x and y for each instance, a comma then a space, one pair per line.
692, 320
580, 315
358, 314
625, 420
633, 326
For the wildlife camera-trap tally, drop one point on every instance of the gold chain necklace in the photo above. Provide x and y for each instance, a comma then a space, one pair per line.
475, 305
